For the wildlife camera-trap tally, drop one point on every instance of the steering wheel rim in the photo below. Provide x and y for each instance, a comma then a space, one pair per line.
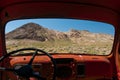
34, 49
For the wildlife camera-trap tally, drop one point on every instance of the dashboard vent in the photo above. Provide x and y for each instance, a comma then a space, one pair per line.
80, 70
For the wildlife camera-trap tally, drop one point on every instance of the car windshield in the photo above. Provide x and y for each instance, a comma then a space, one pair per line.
73, 36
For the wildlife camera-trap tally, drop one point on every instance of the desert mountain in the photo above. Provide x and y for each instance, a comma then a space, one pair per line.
34, 31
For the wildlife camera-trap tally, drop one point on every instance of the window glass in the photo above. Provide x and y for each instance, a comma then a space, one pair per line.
60, 36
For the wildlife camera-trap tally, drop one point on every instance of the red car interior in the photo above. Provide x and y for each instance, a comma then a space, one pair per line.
69, 66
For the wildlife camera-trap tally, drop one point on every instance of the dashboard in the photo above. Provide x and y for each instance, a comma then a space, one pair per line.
69, 66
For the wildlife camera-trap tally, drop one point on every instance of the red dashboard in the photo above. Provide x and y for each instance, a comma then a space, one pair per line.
69, 66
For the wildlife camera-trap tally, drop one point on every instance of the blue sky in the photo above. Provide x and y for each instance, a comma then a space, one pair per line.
64, 25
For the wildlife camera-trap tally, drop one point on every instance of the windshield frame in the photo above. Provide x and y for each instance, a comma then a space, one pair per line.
78, 53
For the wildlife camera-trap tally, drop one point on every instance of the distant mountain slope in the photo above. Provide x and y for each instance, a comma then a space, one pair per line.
34, 31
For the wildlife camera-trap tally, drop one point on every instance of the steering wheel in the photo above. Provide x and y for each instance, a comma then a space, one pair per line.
27, 70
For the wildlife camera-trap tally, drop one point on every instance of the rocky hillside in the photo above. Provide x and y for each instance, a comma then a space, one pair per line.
34, 31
